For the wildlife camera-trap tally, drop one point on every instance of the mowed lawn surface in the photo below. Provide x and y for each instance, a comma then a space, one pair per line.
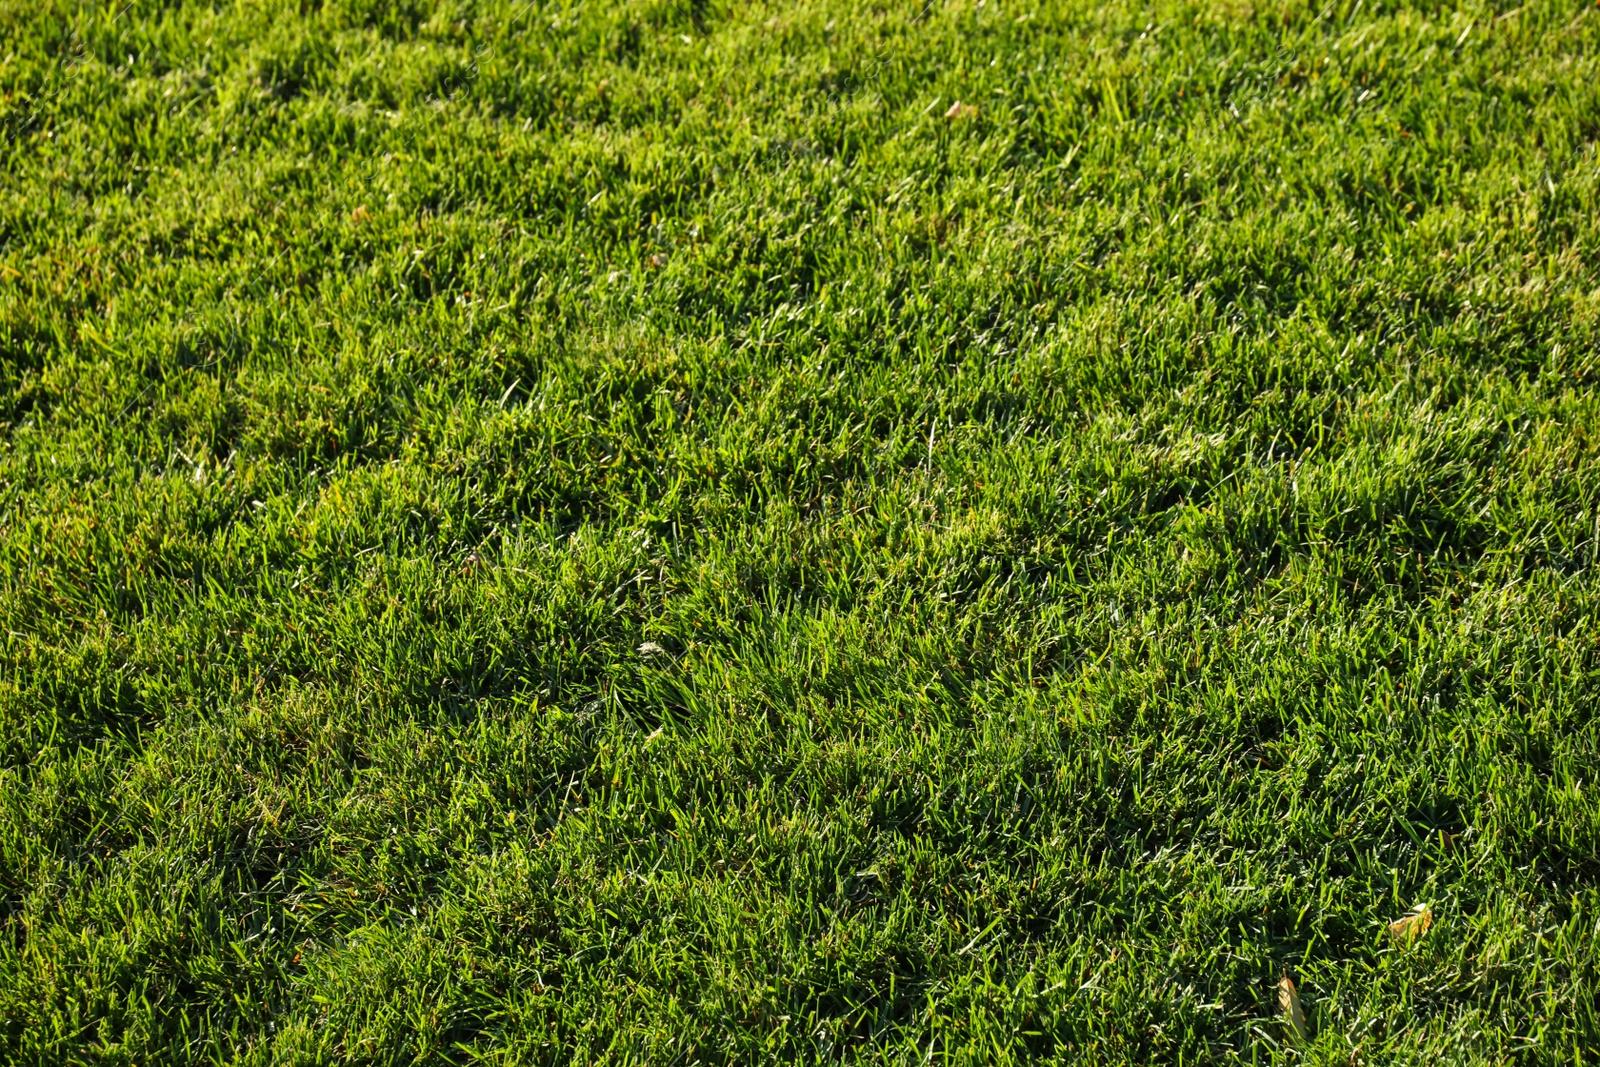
728, 532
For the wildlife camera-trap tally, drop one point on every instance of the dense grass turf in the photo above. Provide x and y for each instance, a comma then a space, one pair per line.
643, 532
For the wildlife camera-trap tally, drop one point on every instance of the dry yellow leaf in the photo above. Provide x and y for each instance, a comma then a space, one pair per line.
958, 110
1412, 925
1294, 1019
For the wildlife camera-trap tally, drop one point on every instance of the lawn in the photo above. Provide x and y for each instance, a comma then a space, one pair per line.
684, 531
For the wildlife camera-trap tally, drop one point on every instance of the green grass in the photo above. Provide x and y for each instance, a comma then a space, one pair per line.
547, 532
